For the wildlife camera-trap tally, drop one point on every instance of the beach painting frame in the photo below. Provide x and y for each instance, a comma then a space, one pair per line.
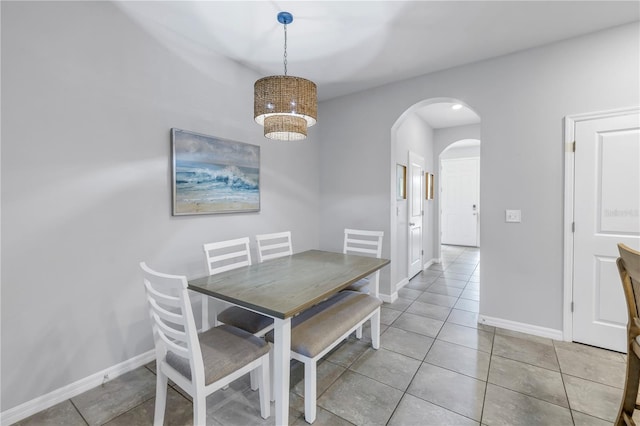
214, 175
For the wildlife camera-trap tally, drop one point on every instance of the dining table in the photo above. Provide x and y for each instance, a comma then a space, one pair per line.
282, 288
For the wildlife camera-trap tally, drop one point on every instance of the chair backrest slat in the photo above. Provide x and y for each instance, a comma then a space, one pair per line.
164, 314
360, 241
272, 246
227, 255
174, 347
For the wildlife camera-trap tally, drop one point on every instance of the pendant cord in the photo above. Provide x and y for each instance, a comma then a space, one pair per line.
285, 49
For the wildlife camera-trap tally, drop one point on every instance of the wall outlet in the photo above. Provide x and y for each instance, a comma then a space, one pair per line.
513, 216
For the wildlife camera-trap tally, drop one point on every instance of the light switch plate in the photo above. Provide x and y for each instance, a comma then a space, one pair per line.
513, 215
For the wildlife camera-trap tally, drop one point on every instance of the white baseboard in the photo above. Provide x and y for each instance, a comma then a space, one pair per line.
43, 402
389, 299
429, 263
536, 330
402, 283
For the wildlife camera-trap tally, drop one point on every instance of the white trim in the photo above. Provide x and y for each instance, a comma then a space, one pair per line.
389, 299
403, 282
429, 263
57, 396
569, 183
535, 330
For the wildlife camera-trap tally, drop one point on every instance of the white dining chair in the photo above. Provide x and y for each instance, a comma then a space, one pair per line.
224, 256
364, 243
272, 246
199, 364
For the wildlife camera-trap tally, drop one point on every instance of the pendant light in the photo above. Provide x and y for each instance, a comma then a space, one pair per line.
283, 104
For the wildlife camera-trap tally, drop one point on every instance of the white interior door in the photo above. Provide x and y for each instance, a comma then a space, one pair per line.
415, 196
460, 201
606, 212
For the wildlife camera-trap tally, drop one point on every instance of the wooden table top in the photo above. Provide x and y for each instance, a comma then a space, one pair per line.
286, 286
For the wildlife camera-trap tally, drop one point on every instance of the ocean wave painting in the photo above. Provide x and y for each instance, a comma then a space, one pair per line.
213, 175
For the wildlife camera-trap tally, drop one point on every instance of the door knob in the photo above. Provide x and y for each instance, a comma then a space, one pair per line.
412, 224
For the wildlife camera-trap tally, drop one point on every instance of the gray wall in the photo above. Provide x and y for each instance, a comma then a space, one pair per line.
522, 100
88, 100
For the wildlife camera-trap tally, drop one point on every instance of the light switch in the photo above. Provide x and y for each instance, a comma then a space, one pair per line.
513, 215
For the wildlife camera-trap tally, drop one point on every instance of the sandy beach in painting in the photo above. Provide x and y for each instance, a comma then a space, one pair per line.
197, 207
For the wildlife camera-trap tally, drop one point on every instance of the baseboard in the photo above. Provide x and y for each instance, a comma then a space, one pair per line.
429, 263
401, 283
43, 402
535, 330
389, 299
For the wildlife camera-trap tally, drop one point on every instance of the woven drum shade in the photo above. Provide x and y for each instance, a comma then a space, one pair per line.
285, 106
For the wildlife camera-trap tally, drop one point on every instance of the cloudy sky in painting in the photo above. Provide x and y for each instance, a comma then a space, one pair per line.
209, 149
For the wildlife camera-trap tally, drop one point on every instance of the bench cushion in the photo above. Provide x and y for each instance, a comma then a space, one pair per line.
224, 349
242, 318
318, 327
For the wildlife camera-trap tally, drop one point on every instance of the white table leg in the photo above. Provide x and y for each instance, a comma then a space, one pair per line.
281, 356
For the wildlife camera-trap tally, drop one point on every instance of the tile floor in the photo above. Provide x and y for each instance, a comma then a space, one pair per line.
436, 366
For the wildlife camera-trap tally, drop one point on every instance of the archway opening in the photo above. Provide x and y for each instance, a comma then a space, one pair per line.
425, 130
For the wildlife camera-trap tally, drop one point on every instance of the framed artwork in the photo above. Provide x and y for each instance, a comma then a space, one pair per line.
401, 182
214, 175
429, 186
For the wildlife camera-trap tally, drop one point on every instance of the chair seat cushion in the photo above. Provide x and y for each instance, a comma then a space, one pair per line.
318, 327
225, 349
359, 285
242, 318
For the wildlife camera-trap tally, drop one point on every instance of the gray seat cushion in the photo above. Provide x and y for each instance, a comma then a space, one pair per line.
247, 320
360, 286
225, 349
318, 327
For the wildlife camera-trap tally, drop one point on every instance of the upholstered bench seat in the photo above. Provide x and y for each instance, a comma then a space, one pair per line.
321, 328
250, 321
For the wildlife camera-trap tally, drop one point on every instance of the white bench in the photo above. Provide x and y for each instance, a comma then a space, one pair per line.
321, 328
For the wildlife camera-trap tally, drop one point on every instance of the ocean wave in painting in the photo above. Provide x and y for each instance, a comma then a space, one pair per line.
216, 187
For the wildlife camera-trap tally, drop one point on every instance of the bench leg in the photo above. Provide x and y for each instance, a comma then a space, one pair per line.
375, 329
310, 391
359, 333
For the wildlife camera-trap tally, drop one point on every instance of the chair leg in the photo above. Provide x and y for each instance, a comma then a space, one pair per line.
272, 370
375, 329
630, 392
264, 388
254, 380
162, 381
310, 375
199, 409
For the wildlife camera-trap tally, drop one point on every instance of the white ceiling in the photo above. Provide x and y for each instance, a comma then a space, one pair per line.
349, 46
441, 115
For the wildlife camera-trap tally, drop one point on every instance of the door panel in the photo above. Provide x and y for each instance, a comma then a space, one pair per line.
606, 212
415, 193
460, 201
